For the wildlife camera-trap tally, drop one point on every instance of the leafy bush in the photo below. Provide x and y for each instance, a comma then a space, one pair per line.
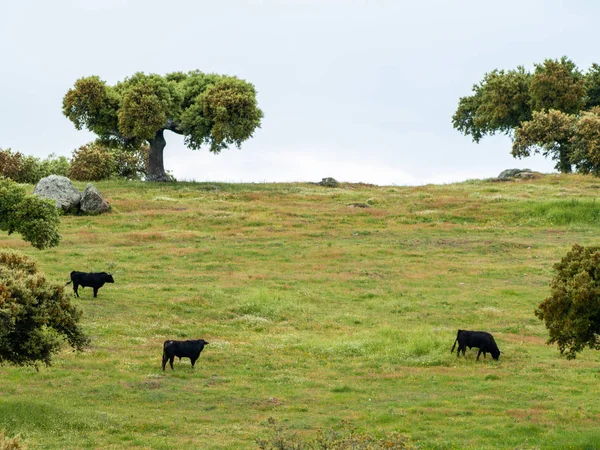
100, 160
54, 165
572, 312
36, 219
29, 169
10, 164
92, 162
343, 437
35, 315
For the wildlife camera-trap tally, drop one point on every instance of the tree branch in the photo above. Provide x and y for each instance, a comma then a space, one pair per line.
173, 126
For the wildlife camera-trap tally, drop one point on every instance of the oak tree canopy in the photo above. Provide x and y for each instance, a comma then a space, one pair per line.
553, 111
210, 110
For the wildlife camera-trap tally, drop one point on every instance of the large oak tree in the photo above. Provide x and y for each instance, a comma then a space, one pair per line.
207, 109
550, 111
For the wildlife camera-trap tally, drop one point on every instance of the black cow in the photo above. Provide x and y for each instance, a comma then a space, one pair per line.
182, 349
482, 340
94, 280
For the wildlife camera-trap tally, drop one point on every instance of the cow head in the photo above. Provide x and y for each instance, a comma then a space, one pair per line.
109, 278
495, 354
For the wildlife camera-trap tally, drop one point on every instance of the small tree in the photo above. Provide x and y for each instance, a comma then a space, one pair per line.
572, 312
207, 109
36, 219
36, 317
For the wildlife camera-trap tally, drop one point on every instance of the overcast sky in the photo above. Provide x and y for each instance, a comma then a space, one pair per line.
355, 90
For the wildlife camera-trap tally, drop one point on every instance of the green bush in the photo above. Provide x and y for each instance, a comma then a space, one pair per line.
36, 219
572, 312
36, 317
92, 162
29, 169
54, 165
100, 160
10, 164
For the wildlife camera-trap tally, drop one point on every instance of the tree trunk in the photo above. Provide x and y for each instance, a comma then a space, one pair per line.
156, 168
564, 160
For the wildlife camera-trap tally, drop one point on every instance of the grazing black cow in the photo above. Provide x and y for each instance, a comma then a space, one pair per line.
482, 340
94, 280
182, 349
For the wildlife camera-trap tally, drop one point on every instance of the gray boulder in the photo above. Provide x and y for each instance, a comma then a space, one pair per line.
92, 202
328, 182
510, 174
525, 175
61, 190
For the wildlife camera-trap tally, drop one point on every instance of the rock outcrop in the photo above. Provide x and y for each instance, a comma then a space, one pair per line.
61, 190
68, 198
92, 202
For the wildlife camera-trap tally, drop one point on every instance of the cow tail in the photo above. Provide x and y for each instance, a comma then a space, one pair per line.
69, 283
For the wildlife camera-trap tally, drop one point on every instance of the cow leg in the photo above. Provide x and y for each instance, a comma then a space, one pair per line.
479, 353
193, 361
75, 287
164, 361
171, 359
464, 349
95, 292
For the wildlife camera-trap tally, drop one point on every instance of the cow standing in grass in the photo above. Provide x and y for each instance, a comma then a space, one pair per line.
95, 280
482, 340
182, 349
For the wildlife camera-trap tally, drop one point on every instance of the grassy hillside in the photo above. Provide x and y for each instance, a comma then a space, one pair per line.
317, 310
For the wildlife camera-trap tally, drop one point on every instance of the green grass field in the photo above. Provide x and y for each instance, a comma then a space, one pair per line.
317, 311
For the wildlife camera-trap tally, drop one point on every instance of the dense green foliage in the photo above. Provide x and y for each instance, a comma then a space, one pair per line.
36, 316
207, 109
572, 312
550, 111
28, 169
36, 219
92, 162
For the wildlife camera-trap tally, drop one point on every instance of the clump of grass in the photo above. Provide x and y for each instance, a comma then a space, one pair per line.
8, 443
342, 437
561, 212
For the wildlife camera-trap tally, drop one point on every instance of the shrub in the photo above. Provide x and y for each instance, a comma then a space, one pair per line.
10, 164
572, 311
29, 169
36, 317
36, 219
92, 162
54, 165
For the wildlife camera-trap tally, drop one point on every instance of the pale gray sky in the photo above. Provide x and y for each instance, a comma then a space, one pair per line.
355, 90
